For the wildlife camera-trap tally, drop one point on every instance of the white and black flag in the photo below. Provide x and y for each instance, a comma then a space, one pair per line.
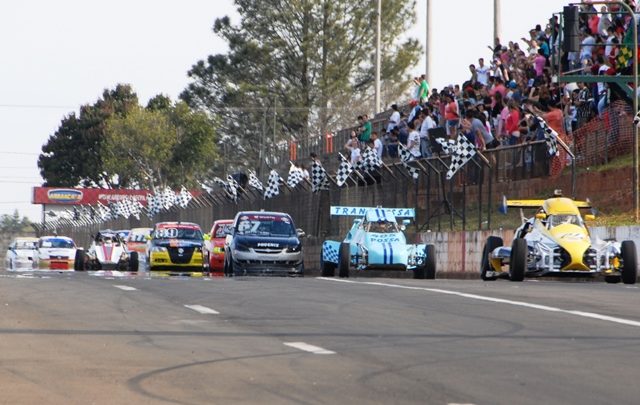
295, 176
230, 187
273, 185
255, 182
406, 157
319, 177
154, 205
369, 160
344, 171
183, 197
462, 152
550, 137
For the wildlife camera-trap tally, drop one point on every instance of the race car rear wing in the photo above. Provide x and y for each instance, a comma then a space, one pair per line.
534, 204
362, 211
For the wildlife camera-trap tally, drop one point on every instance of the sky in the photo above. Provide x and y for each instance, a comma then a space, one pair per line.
59, 55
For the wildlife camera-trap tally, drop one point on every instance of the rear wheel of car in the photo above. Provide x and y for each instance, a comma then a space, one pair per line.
492, 243
327, 269
79, 263
518, 260
134, 262
430, 263
629, 262
612, 279
345, 259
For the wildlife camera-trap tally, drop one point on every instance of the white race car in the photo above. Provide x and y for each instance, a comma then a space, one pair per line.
108, 252
55, 253
20, 254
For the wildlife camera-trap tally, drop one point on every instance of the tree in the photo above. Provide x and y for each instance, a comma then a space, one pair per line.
12, 225
163, 145
73, 155
307, 61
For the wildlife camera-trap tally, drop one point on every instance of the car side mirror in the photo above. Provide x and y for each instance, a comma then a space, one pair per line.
207, 236
300, 233
148, 237
589, 217
541, 216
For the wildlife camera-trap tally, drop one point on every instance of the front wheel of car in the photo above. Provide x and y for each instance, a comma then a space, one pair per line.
134, 262
492, 243
430, 263
79, 263
345, 259
629, 262
518, 259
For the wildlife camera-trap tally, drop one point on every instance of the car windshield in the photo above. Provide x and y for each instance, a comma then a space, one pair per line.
555, 220
25, 245
382, 227
222, 230
265, 225
178, 233
56, 243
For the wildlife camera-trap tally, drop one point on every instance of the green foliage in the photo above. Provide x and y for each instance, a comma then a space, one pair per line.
165, 146
12, 225
310, 62
73, 155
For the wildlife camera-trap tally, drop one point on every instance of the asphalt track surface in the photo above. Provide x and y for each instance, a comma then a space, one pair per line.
112, 338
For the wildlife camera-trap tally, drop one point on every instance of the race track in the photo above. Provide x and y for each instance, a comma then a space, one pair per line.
110, 338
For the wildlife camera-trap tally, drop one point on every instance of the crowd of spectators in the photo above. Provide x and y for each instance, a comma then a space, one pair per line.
497, 105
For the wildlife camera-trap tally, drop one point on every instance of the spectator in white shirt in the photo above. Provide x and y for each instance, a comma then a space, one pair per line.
413, 142
482, 72
394, 119
353, 146
427, 124
377, 144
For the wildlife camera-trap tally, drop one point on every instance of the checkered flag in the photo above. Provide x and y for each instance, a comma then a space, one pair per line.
405, 158
154, 205
463, 152
168, 198
551, 136
255, 182
135, 208
273, 185
636, 120
448, 145
295, 176
319, 180
369, 161
183, 198
103, 212
230, 187
344, 171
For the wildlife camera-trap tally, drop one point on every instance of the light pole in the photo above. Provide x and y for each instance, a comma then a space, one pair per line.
496, 20
378, 27
428, 44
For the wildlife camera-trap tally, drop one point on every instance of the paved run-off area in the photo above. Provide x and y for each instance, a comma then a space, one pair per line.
111, 338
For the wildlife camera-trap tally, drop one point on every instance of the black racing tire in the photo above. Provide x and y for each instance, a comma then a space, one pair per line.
612, 279
629, 262
430, 263
344, 261
225, 265
80, 262
518, 259
418, 272
327, 269
492, 243
134, 262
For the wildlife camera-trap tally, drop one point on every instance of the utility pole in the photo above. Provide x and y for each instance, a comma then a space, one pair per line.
428, 44
378, 28
497, 26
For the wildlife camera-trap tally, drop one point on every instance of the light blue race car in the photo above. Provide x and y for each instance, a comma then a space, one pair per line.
376, 241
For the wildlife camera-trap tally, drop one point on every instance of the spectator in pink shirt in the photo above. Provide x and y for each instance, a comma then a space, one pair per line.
539, 62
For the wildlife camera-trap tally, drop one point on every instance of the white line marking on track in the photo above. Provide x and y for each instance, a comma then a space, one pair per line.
125, 287
203, 310
591, 315
308, 348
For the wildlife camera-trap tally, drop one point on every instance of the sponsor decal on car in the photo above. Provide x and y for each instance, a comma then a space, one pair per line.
267, 244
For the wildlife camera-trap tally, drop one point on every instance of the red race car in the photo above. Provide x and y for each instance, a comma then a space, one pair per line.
215, 243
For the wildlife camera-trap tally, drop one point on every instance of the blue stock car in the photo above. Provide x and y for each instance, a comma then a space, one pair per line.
376, 241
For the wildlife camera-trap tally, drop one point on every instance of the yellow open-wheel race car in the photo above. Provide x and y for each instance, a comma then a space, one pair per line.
556, 242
